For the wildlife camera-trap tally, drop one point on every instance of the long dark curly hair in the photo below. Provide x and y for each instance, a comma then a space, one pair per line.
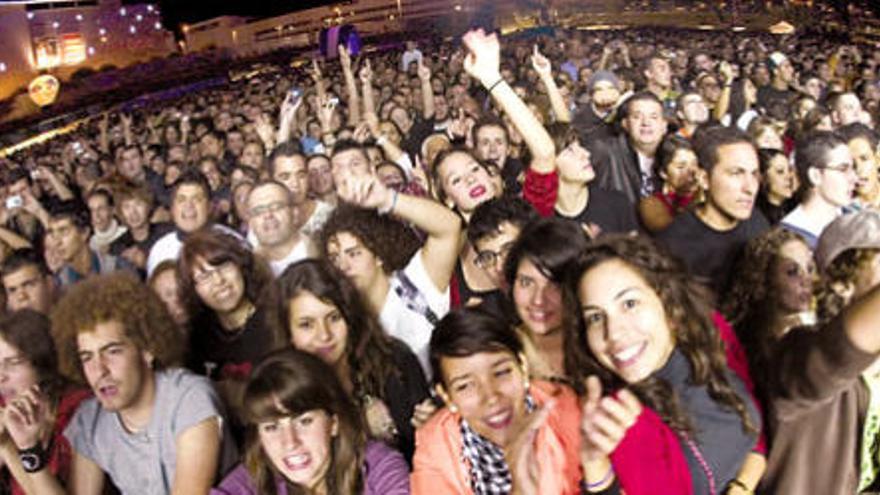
689, 313
390, 240
835, 291
368, 350
752, 299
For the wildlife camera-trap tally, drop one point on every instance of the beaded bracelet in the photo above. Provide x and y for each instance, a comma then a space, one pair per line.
390, 208
603, 481
492, 87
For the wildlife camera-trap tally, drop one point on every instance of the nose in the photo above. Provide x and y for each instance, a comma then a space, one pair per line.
289, 437
324, 334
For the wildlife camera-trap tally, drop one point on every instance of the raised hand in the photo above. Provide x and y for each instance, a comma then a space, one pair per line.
366, 191
366, 74
344, 57
483, 60
540, 63
423, 71
605, 420
726, 72
423, 412
25, 419
361, 132
316, 72
326, 106
520, 453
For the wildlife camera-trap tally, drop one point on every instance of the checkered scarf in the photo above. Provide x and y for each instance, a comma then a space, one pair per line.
489, 472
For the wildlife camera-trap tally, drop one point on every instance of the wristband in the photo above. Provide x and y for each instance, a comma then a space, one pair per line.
381, 140
390, 208
492, 87
33, 459
603, 481
739, 484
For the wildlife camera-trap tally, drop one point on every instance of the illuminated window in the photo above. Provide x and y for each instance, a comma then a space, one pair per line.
48, 53
73, 48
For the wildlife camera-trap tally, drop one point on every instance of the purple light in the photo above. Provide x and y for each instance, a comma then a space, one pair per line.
132, 29
139, 18
79, 17
30, 15
149, 8
158, 25
55, 25
102, 31
91, 50
2, 66
123, 12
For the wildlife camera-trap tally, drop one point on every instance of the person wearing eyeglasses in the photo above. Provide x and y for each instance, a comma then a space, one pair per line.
222, 282
493, 230
273, 221
828, 181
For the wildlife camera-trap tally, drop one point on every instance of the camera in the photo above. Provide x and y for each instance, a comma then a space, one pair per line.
14, 201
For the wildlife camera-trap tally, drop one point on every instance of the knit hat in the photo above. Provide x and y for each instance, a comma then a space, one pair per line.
850, 231
604, 75
775, 60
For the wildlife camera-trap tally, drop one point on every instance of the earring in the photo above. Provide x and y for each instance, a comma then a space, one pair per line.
453, 408
526, 383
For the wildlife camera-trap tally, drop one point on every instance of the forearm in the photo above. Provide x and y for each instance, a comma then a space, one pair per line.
723, 104
369, 102
861, 321
429, 216
557, 102
535, 136
12, 239
64, 193
354, 105
752, 470
427, 99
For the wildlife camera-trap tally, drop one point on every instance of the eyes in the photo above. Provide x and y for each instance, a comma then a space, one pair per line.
301, 422
467, 386
310, 323
595, 317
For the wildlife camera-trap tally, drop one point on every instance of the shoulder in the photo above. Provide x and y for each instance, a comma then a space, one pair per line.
237, 482
386, 470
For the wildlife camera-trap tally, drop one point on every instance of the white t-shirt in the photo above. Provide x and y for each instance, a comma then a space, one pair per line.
409, 325
168, 247
302, 250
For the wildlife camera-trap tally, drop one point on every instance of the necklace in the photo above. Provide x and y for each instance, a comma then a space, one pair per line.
707, 469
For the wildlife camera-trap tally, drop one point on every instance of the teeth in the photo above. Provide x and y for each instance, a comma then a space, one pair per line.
628, 353
296, 460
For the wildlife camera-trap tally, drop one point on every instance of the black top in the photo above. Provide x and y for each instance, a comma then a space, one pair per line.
774, 214
611, 211
405, 389
718, 434
221, 354
709, 254
768, 96
126, 240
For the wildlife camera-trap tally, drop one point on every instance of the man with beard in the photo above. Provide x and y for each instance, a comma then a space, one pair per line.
595, 119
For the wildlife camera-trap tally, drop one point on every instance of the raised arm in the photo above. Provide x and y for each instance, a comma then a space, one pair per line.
545, 72
354, 105
482, 63
723, 104
443, 227
427, 91
366, 77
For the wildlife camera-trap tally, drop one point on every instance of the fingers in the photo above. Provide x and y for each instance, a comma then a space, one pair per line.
594, 393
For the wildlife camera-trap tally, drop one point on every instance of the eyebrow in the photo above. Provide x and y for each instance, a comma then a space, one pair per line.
615, 298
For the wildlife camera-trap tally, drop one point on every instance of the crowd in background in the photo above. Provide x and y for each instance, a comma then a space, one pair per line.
642, 261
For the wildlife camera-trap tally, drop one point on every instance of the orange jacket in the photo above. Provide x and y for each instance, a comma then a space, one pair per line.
438, 468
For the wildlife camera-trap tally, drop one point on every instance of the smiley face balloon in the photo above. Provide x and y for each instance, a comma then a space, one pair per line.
44, 89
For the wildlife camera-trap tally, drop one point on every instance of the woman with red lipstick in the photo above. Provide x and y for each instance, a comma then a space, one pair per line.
305, 436
318, 310
643, 324
500, 433
31, 386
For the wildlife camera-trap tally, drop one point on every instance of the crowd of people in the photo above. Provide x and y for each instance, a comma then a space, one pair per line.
641, 262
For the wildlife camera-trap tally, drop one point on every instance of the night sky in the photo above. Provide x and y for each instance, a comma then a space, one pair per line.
177, 11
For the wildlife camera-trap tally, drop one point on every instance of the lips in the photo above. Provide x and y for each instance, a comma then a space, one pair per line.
108, 391
627, 356
477, 192
499, 419
297, 462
